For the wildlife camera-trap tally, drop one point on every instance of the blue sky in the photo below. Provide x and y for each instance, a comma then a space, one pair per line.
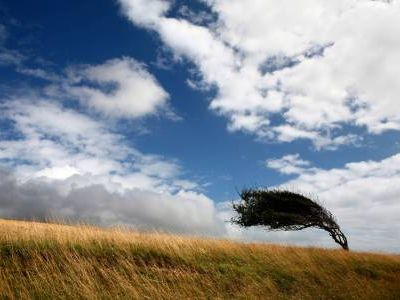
163, 106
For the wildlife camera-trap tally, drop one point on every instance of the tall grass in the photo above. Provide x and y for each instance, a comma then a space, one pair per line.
49, 261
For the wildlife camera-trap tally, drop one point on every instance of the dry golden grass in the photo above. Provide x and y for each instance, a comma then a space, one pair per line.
49, 261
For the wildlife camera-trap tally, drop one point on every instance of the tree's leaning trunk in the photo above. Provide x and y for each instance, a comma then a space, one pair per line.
338, 236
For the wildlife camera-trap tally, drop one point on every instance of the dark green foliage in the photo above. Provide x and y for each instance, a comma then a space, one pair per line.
285, 210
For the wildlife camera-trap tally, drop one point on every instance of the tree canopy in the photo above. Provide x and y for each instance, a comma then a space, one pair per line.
284, 210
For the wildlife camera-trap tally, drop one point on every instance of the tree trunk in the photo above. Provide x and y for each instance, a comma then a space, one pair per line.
338, 236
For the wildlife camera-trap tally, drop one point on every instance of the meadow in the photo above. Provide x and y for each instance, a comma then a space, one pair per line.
55, 261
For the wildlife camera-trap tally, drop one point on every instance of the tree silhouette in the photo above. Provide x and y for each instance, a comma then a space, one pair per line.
285, 210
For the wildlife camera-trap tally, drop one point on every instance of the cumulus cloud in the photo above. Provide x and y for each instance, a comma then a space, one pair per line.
363, 195
184, 212
144, 12
118, 87
64, 142
68, 165
319, 65
288, 164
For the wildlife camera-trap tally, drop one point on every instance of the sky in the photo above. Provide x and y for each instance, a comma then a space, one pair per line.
154, 113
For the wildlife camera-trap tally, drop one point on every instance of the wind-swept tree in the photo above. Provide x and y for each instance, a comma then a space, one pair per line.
285, 210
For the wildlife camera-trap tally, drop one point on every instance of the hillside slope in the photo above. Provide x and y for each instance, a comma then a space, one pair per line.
49, 261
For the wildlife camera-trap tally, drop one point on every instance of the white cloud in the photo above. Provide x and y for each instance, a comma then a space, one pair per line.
196, 17
335, 66
185, 212
10, 57
297, 26
68, 165
39, 73
62, 142
288, 164
144, 12
120, 88
362, 195
289, 133
58, 173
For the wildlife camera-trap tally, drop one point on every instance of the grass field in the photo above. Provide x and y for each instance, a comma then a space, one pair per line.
49, 261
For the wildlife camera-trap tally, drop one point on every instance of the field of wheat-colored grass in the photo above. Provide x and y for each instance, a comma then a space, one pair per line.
50, 261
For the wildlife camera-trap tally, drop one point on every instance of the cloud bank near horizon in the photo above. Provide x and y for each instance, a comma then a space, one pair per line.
67, 165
